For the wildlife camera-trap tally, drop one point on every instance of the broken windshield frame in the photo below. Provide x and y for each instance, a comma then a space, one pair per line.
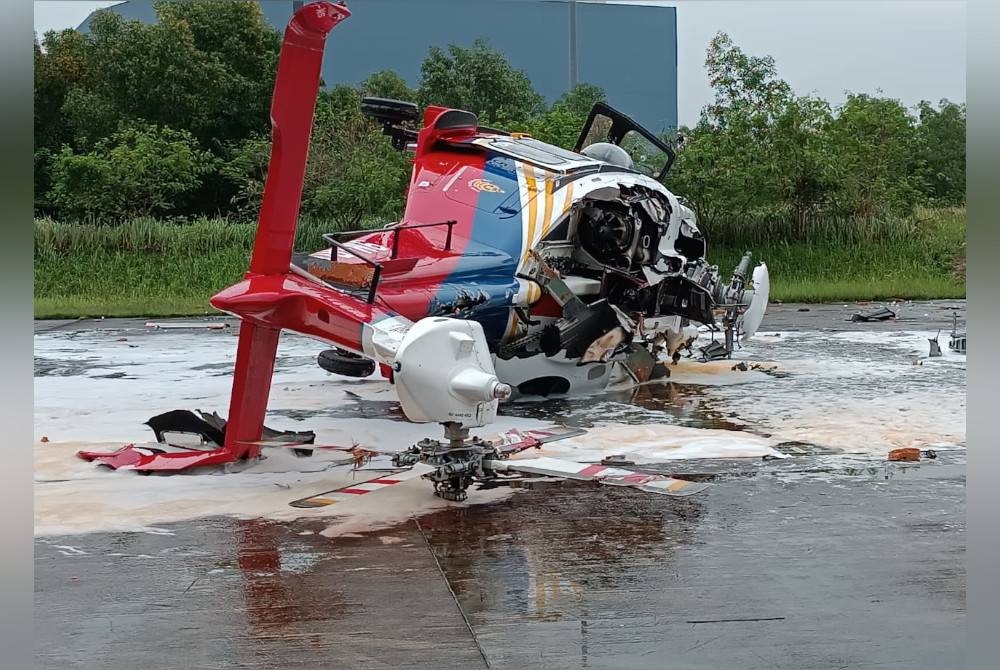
615, 127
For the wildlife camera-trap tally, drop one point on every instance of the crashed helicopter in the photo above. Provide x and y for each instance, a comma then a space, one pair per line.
518, 267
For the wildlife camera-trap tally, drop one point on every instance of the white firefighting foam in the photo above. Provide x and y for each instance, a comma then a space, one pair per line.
856, 392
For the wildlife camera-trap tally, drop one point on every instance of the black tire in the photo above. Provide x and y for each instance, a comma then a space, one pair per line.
341, 362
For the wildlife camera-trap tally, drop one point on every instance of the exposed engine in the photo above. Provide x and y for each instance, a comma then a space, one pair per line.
626, 266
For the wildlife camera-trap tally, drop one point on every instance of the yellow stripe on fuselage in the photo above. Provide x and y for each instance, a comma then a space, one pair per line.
537, 227
568, 201
529, 180
547, 217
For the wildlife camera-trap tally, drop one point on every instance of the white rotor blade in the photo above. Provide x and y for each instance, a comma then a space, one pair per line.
752, 318
361, 488
602, 474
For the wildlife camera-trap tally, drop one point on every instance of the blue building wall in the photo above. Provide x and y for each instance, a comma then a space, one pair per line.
630, 51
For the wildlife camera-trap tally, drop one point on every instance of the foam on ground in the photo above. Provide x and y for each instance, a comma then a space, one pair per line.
857, 392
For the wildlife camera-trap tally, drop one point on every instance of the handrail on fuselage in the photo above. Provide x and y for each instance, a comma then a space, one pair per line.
335, 245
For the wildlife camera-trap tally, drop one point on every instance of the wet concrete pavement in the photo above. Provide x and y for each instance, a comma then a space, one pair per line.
822, 560
780, 570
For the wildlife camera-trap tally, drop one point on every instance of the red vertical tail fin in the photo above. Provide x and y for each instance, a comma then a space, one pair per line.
292, 106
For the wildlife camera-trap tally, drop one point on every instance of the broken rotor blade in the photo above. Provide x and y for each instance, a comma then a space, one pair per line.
353, 490
300, 445
602, 474
515, 440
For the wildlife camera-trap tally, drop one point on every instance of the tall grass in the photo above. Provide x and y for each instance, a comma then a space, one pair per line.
150, 235
925, 223
148, 267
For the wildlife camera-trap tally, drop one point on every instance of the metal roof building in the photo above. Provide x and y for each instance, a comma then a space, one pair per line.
629, 49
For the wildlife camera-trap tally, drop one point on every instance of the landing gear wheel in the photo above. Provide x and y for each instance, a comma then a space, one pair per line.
345, 363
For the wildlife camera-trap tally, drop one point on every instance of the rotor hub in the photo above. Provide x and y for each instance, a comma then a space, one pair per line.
457, 461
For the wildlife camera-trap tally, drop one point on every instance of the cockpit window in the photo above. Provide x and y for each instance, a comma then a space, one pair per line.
521, 149
549, 148
646, 156
538, 152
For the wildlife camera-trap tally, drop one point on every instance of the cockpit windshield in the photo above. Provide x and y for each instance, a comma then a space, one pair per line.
650, 154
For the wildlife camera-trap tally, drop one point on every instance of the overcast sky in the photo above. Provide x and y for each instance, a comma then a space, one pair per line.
910, 49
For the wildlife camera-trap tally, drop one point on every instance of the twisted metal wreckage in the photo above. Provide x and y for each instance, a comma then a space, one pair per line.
518, 267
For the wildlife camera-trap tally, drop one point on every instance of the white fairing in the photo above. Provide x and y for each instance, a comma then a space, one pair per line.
578, 378
445, 373
381, 340
754, 315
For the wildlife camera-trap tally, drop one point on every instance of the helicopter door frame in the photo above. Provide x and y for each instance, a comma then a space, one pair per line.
621, 124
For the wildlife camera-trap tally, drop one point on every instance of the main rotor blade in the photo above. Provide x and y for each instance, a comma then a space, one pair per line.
602, 474
353, 490
513, 441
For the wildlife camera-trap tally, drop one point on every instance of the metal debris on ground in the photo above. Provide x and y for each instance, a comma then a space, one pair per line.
935, 346
187, 325
361, 456
616, 459
713, 351
743, 366
210, 429
905, 454
958, 340
883, 313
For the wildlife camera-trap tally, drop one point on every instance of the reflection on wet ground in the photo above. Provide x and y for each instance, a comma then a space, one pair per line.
770, 571
656, 402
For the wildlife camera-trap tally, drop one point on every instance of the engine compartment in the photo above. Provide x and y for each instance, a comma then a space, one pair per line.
622, 258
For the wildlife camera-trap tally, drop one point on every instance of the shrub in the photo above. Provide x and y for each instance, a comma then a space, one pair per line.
140, 170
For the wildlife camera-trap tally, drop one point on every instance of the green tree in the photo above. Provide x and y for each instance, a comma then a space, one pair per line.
243, 167
387, 84
140, 170
940, 153
580, 99
730, 164
205, 68
480, 80
804, 161
875, 140
60, 65
761, 152
745, 86
561, 125
354, 173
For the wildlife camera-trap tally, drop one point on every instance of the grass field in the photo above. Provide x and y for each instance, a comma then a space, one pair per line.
151, 268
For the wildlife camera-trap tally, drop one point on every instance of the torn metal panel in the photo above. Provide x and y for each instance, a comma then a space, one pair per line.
603, 347
211, 428
465, 301
881, 314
